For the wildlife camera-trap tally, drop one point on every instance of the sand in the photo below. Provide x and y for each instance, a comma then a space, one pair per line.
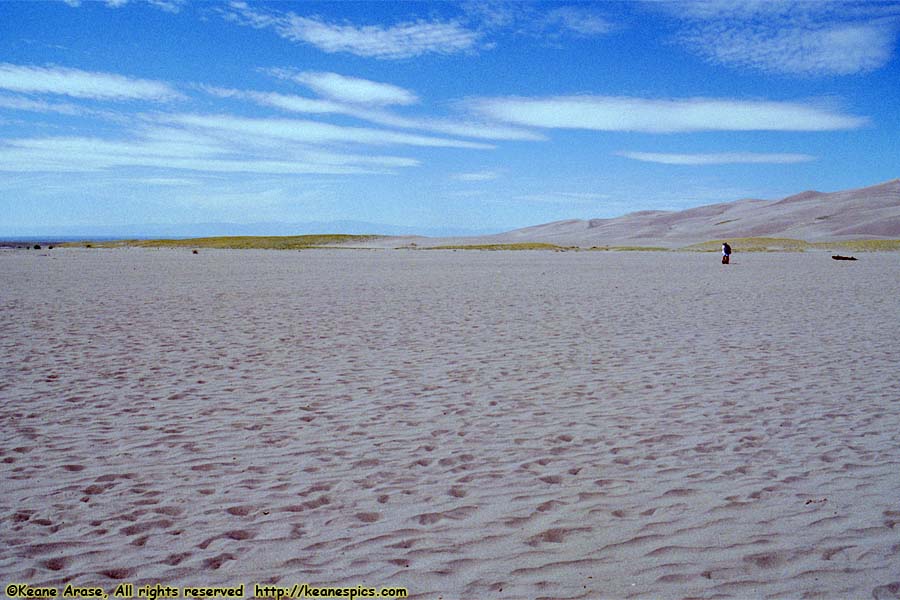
461, 424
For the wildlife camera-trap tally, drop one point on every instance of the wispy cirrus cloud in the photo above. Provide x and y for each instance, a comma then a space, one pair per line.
542, 21
793, 38
563, 198
41, 106
287, 102
829, 50
171, 6
580, 20
179, 150
477, 176
379, 116
485, 130
720, 158
466, 34
169, 181
353, 90
76, 83
613, 113
400, 41
312, 132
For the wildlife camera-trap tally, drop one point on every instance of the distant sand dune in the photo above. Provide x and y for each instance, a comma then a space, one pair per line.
470, 424
866, 213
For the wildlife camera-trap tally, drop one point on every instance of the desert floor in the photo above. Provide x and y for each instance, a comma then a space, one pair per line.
462, 424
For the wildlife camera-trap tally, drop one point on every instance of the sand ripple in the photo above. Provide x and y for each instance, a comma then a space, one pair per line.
492, 425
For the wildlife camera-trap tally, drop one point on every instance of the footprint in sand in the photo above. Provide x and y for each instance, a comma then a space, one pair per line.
368, 517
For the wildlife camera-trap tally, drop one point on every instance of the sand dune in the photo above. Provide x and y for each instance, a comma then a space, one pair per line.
490, 425
866, 213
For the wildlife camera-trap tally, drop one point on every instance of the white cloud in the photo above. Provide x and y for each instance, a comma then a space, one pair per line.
482, 130
83, 154
171, 6
610, 113
563, 198
168, 181
296, 103
579, 20
215, 143
350, 89
832, 50
717, 158
192, 146
544, 21
27, 104
404, 40
795, 38
477, 176
313, 132
300, 104
81, 84
88, 146
287, 102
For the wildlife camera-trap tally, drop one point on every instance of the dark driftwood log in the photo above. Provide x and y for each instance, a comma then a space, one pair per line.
839, 257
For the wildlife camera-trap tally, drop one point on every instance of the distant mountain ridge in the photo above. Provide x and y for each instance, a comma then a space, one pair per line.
193, 230
868, 213
865, 213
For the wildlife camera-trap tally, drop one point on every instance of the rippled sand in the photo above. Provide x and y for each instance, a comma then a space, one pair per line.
463, 424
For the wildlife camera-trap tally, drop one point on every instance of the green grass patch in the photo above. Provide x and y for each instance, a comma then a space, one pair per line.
861, 245
289, 242
544, 246
628, 249
765, 244
516, 246
301, 242
753, 244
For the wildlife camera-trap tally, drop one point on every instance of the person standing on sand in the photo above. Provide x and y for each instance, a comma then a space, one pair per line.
726, 253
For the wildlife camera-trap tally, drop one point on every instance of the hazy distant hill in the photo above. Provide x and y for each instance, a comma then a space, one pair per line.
866, 213
860, 214
194, 230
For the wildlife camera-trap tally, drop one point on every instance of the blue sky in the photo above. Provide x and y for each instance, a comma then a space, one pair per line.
470, 116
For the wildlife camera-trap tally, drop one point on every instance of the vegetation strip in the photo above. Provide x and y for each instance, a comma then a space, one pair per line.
765, 244
291, 242
542, 246
516, 246
301, 242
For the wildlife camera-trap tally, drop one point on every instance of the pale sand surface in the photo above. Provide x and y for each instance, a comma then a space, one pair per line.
463, 424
